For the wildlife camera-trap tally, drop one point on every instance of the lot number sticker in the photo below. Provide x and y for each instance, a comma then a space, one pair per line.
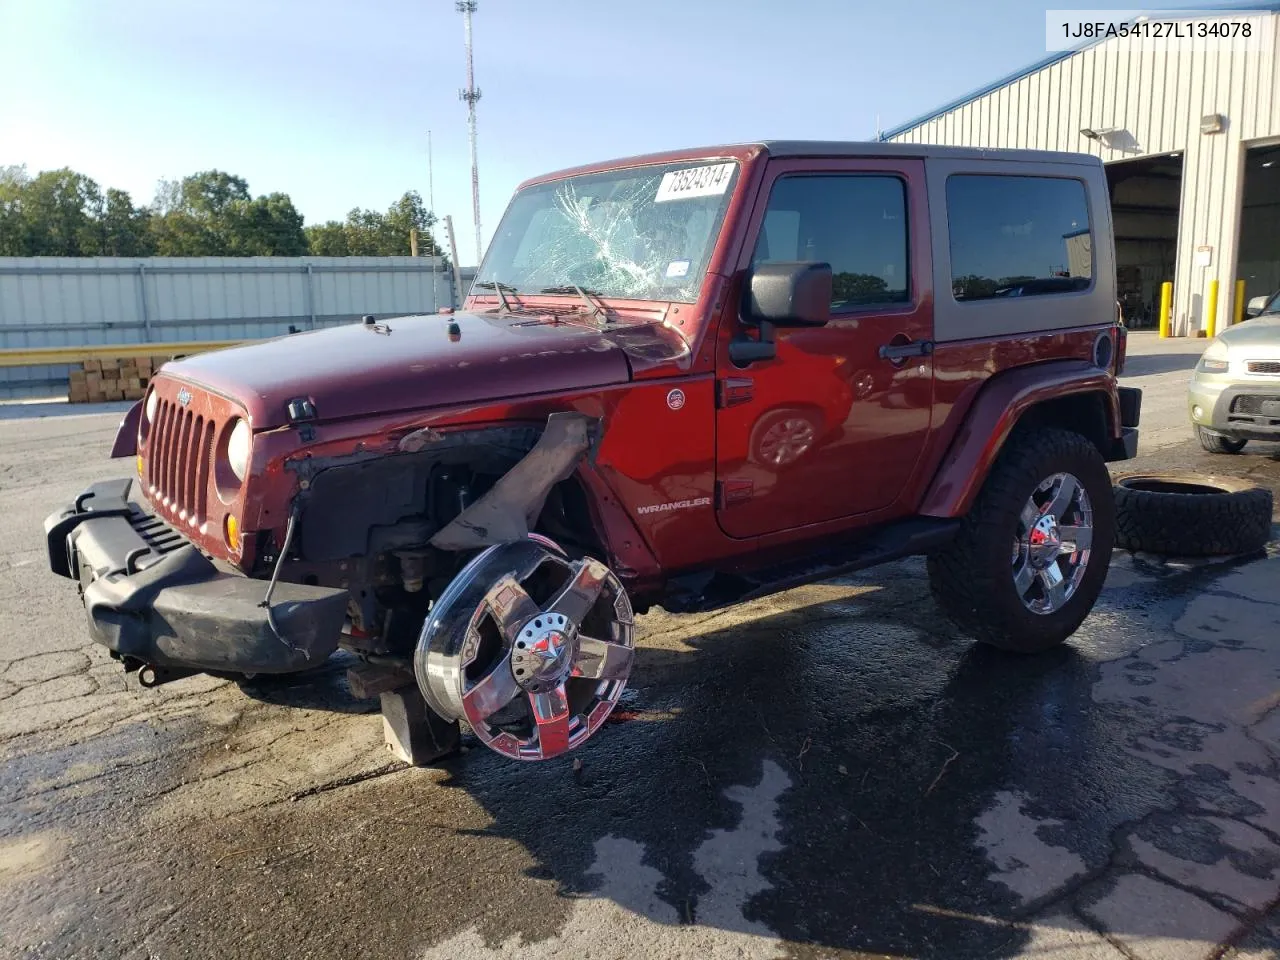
706, 181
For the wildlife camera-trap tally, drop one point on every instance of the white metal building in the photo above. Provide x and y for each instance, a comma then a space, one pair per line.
1191, 139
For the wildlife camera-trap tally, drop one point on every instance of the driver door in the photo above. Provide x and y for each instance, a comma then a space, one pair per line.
831, 427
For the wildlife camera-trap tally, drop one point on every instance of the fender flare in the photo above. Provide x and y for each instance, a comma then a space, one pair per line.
1002, 402
126, 442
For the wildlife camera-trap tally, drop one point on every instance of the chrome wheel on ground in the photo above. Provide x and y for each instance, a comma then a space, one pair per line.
530, 648
1053, 543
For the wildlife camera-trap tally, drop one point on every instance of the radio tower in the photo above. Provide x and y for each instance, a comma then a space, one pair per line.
471, 95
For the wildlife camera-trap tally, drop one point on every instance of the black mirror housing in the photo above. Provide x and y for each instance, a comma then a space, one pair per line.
790, 294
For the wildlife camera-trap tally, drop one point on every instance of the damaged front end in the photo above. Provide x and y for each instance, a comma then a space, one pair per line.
437, 582
166, 610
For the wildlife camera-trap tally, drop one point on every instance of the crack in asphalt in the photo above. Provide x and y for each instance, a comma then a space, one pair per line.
394, 766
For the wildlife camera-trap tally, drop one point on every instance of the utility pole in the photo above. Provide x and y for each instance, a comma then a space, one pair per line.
435, 246
471, 96
453, 252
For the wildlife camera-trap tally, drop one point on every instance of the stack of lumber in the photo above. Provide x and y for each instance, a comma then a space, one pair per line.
97, 381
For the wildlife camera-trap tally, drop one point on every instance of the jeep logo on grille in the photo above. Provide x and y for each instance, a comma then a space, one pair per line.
184, 396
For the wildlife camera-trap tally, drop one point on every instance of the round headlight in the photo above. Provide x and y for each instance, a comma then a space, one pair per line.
149, 410
238, 449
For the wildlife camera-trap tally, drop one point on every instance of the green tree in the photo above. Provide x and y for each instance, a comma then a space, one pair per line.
48, 215
176, 230
327, 239
368, 233
12, 227
859, 288
269, 226
213, 214
122, 228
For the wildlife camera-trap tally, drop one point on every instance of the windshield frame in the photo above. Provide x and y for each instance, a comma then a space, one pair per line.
656, 166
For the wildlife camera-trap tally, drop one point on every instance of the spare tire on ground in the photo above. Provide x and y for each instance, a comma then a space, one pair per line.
1191, 515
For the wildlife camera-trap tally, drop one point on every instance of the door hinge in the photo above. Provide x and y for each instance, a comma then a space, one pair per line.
729, 492
734, 390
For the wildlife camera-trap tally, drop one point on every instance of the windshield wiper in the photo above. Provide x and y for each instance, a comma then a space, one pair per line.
501, 289
598, 310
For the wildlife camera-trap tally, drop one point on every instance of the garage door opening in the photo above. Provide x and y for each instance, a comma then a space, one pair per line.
1145, 199
1259, 258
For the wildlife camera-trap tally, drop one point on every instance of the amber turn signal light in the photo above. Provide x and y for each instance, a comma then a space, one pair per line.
231, 532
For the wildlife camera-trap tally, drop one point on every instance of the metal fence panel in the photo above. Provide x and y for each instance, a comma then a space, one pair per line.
75, 301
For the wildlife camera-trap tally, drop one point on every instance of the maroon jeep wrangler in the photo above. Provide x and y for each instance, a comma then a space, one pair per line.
689, 379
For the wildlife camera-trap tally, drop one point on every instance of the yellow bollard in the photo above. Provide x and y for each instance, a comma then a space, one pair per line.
1211, 312
1239, 315
1166, 307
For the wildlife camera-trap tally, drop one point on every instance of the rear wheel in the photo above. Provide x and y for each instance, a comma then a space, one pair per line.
1217, 443
1032, 553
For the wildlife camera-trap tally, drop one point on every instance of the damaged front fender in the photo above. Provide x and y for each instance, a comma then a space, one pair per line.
511, 506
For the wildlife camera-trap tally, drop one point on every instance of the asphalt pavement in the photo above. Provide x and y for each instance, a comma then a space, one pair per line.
831, 772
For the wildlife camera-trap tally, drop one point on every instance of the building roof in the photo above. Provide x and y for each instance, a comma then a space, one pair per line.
1058, 56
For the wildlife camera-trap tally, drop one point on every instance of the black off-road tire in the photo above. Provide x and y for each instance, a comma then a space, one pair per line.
972, 577
1216, 443
1191, 515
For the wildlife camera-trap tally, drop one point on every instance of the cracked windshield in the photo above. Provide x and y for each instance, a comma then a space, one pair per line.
639, 234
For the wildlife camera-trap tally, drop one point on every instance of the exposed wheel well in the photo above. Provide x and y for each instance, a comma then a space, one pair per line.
1083, 413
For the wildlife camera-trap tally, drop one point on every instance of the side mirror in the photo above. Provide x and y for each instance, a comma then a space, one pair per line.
793, 294
1256, 306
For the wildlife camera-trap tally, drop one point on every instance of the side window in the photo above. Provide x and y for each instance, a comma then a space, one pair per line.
1018, 236
856, 223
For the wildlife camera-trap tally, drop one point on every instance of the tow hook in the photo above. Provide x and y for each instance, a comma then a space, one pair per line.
150, 675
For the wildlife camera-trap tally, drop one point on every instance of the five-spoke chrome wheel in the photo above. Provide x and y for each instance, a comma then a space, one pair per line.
530, 648
1053, 543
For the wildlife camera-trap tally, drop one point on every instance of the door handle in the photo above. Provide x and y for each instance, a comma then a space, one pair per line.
905, 351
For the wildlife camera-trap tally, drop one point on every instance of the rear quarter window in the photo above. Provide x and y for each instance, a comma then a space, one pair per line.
1018, 236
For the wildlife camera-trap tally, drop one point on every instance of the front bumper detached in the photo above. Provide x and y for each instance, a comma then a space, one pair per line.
154, 600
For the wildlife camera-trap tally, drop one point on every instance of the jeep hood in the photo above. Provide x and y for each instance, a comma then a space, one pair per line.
408, 363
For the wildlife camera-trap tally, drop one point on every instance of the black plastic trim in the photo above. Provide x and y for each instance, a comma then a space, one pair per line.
712, 590
1130, 406
153, 598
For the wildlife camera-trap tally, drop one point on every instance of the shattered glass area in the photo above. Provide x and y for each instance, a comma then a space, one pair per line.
608, 234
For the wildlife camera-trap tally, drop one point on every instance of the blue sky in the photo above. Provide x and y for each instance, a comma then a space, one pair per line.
331, 101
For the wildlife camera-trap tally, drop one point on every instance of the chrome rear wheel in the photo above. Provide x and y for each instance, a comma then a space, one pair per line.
1054, 541
530, 648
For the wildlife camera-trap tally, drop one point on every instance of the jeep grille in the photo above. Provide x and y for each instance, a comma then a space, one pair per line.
181, 450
